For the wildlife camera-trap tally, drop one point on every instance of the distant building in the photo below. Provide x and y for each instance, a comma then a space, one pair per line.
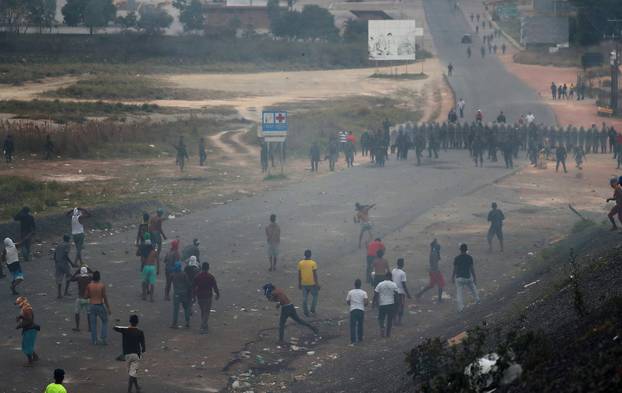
253, 13
544, 30
370, 15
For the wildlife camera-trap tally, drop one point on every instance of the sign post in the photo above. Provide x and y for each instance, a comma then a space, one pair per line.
274, 127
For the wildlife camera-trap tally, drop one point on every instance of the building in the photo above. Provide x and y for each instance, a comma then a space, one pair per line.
249, 13
544, 31
370, 15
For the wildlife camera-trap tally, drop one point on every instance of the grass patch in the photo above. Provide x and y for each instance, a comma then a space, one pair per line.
409, 76
16, 192
136, 87
64, 112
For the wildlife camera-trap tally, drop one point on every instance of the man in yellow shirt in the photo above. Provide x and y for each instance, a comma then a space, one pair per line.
308, 282
57, 386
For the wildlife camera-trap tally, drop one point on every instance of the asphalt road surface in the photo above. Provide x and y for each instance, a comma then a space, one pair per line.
484, 82
316, 214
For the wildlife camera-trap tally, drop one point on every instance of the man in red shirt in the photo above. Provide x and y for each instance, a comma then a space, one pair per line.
372, 252
203, 287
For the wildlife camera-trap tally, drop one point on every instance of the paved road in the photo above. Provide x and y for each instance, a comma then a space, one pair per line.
316, 214
484, 83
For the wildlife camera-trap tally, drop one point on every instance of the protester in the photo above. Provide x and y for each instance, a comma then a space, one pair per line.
26, 322
151, 269
616, 210
191, 250
27, 229
273, 238
381, 268
436, 276
57, 385
77, 229
98, 308
9, 148
362, 217
10, 256
308, 282
133, 348
495, 218
83, 278
171, 257
372, 253
357, 301
62, 266
181, 295
288, 310
385, 294
141, 236
156, 231
203, 288
464, 276
399, 278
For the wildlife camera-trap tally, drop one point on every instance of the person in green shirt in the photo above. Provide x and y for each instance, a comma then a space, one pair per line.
57, 385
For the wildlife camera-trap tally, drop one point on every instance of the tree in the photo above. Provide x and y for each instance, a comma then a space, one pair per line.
73, 12
98, 13
129, 21
153, 20
355, 31
191, 14
15, 15
41, 13
318, 23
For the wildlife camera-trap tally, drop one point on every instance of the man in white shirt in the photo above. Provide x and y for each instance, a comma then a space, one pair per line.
384, 297
399, 278
357, 300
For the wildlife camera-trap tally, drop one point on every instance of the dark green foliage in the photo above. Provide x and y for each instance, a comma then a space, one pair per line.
191, 14
314, 22
355, 31
153, 20
591, 24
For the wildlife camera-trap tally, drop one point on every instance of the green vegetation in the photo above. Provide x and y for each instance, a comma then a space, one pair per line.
64, 112
134, 87
16, 192
18, 15
110, 139
275, 177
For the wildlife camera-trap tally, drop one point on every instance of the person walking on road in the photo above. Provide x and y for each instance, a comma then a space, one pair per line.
172, 256
156, 232
617, 209
181, 295
308, 282
133, 349
495, 218
380, 268
399, 278
10, 256
560, 157
27, 229
57, 385
314, 155
450, 69
150, 272
463, 276
83, 278
288, 310
77, 229
62, 267
385, 295
357, 300
372, 253
98, 308
26, 322
273, 238
436, 276
203, 288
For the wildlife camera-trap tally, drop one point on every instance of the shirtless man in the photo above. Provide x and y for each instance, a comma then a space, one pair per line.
617, 198
362, 217
83, 278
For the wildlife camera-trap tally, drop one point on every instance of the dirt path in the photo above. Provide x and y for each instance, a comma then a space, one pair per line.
32, 90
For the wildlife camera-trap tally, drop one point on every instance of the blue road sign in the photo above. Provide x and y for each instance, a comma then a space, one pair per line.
274, 121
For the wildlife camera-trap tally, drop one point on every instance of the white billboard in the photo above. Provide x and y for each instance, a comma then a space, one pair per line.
391, 39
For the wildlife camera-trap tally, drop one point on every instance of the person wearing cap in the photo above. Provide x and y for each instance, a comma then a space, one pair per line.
464, 276
62, 266
57, 385
495, 218
617, 197
26, 322
82, 277
190, 250
288, 310
156, 231
133, 348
